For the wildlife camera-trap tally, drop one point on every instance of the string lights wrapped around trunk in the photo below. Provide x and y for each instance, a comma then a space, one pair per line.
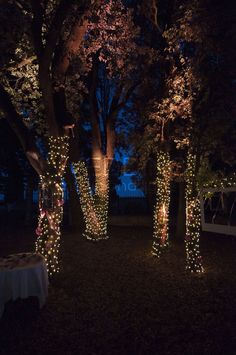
94, 208
101, 199
193, 217
161, 214
51, 203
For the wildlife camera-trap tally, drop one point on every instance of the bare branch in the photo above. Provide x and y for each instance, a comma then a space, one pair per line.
124, 101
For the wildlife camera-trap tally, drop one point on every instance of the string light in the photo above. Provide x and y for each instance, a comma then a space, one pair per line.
94, 208
220, 183
51, 203
161, 214
193, 218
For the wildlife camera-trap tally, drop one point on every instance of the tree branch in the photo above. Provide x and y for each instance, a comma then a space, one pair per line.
72, 46
116, 99
26, 140
96, 134
55, 30
37, 27
124, 101
46, 55
73, 43
110, 140
23, 63
13, 118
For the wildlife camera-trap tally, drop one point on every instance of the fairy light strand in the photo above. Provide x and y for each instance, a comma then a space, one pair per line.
161, 214
193, 218
94, 208
221, 183
51, 203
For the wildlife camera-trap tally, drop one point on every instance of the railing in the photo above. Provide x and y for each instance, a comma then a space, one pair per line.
218, 210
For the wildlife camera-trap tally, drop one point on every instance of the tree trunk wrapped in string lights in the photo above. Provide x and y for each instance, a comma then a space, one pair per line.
161, 214
101, 196
94, 208
51, 203
193, 217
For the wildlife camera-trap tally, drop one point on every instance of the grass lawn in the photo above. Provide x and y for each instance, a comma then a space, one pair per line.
115, 298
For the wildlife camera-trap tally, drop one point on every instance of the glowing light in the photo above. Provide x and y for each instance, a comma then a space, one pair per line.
51, 203
193, 218
94, 207
161, 214
222, 183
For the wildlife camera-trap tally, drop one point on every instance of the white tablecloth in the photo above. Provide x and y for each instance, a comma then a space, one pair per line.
21, 276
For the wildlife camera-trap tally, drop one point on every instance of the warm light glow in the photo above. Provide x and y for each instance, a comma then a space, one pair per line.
161, 214
94, 208
164, 211
222, 183
193, 218
51, 203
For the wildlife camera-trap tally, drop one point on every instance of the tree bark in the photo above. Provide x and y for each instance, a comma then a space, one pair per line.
161, 213
50, 171
193, 216
95, 206
75, 215
181, 214
51, 203
29, 202
94, 226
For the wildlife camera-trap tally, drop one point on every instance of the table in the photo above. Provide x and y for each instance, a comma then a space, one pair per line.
21, 276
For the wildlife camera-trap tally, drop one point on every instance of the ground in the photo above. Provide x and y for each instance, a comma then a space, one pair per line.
115, 298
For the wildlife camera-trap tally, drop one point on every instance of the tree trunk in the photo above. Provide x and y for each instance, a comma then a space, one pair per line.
51, 203
181, 215
161, 214
75, 214
91, 205
101, 196
29, 202
193, 217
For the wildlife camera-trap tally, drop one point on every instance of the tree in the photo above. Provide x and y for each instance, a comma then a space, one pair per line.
38, 42
187, 105
112, 54
157, 117
211, 104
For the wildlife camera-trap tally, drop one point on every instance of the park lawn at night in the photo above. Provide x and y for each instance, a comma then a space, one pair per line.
117, 117
113, 297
